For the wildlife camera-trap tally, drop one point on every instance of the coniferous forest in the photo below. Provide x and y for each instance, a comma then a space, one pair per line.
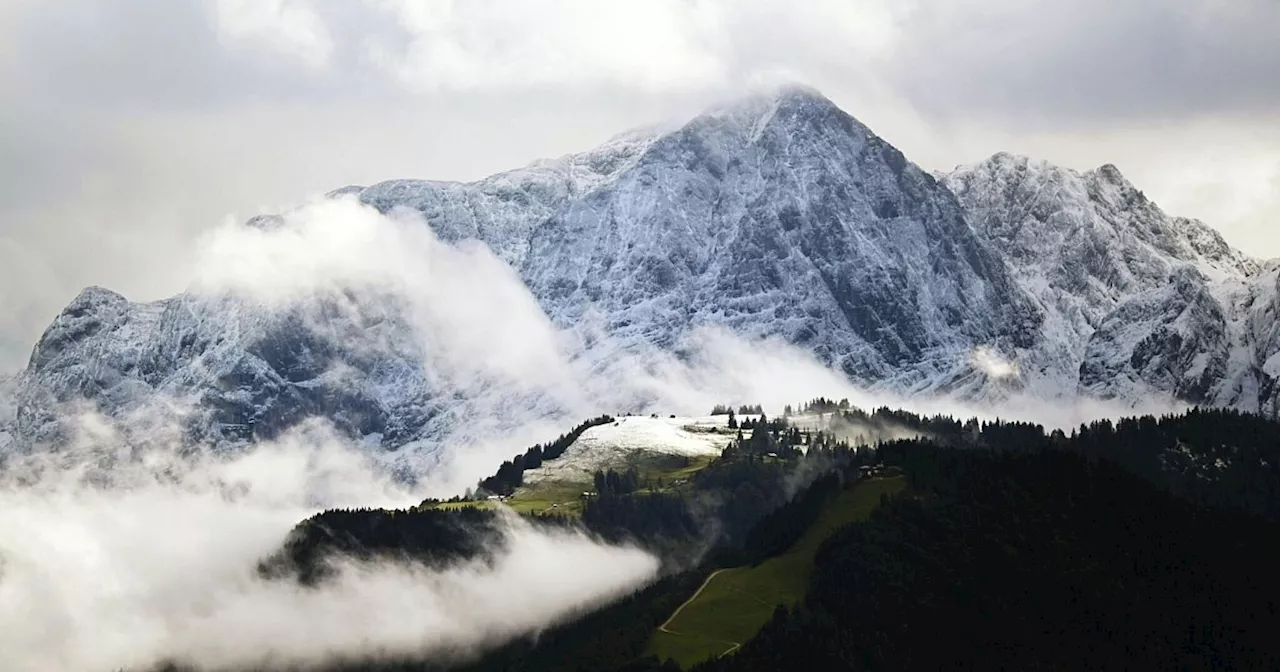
1148, 543
1040, 560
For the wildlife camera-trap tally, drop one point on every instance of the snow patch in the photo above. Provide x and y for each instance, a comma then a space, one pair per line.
609, 446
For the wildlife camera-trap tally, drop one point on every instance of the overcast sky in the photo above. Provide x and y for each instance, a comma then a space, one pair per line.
129, 126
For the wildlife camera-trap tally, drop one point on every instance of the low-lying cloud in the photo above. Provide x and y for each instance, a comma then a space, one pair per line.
125, 547
992, 363
515, 376
157, 562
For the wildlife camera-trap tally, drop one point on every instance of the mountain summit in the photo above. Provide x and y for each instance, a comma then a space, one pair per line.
777, 215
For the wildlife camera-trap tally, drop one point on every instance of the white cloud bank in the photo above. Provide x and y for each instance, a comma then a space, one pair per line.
160, 564
289, 26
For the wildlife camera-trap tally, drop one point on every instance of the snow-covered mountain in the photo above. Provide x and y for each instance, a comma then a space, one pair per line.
777, 215
1136, 302
784, 216
229, 369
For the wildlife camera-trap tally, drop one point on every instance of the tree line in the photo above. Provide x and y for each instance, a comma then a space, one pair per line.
510, 474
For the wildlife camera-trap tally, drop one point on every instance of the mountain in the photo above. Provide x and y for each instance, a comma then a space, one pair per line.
228, 369
1136, 302
779, 215
776, 215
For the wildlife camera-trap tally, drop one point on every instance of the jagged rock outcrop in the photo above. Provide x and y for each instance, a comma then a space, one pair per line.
1138, 304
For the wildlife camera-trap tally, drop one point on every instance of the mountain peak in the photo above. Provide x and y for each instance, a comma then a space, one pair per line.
765, 101
786, 110
773, 215
1108, 173
795, 92
1008, 158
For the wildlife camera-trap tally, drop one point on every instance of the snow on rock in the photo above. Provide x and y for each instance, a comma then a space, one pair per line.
778, 215
503, 210
227, 369
1174, 338
783, 216
8, 409
1137, 304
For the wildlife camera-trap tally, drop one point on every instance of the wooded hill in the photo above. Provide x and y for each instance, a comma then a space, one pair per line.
1149, 543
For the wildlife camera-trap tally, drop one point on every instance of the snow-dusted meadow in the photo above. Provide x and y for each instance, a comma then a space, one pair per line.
611, 445
608, 446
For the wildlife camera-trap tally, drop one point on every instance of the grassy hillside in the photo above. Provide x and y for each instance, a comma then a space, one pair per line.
658, 471
1031, 560
565, 497
735, 603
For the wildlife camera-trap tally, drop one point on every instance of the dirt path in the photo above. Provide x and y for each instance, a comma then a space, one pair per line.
663, 627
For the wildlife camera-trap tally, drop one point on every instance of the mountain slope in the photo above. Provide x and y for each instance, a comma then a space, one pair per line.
783, 216
778, 215
501, 211
228, 370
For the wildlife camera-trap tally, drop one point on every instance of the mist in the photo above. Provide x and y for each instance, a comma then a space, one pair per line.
158, 563
126, 546
516, 378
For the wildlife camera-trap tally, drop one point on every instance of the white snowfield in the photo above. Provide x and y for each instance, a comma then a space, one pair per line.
609, 446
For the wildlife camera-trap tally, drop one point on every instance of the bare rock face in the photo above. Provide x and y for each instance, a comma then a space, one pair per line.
239, 371
1137, 303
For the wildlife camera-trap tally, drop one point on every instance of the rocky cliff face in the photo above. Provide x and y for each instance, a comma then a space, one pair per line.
1137, 303
229, 370
779, 215
785, 217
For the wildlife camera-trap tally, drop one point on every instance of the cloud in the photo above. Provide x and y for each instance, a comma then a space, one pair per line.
115, 164
126, 546
159, 563
501, 375
989, 361
1041, 63
650, 44
512, 376
289, 26
465, 45
460, 312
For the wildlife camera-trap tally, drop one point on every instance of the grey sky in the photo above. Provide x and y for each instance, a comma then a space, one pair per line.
130, 126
